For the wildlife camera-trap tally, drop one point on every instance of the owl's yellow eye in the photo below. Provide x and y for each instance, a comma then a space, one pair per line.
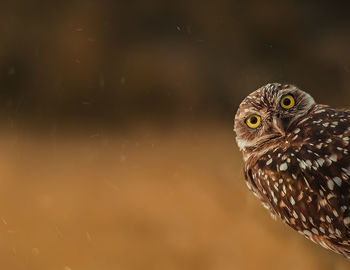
287, 102
253, 121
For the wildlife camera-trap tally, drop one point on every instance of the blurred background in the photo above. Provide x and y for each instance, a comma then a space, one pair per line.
117, 149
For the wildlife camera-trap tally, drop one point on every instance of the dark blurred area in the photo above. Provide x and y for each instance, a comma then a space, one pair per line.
114, 62
116, 140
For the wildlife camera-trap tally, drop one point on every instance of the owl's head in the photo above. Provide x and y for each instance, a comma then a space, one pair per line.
269, 113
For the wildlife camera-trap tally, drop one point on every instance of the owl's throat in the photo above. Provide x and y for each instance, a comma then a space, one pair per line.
261, 147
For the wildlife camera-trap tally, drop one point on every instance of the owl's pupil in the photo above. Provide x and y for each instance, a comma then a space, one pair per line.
286, 102
253, 120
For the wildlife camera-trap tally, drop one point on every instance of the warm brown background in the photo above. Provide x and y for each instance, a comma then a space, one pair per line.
117, 149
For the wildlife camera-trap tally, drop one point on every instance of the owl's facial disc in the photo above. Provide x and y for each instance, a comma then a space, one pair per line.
278, 106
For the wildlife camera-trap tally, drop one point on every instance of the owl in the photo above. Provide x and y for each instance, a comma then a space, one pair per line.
297, 161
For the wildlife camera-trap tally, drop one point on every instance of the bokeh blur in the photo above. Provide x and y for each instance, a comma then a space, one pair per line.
117, 150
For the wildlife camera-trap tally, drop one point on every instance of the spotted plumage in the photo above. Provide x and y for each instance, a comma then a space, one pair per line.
297, 161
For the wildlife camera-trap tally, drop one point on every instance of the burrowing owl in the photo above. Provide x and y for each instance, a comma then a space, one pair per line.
297, 161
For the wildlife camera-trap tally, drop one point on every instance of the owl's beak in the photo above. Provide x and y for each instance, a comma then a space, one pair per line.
279, 125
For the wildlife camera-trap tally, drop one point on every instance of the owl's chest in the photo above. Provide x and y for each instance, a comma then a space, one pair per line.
282, 185
306, 188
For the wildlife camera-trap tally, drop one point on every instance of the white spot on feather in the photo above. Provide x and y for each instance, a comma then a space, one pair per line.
308, 233
330, 184
320, 161
283, 167
314, 230
292, 201
346, 220
337, 180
